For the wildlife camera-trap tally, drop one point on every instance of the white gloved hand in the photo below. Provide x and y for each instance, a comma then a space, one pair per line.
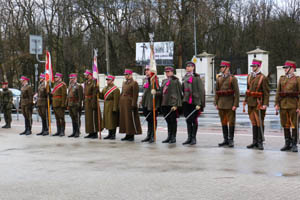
197, 107
153, 92
174, 108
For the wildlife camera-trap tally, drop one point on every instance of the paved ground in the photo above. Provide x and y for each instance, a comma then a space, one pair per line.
36, 167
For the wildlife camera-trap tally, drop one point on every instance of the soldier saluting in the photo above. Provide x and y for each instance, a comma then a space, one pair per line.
171, 100
74, 104
257, 98
42, 105
59, 94
287, 101
111, 96
7, 102
226, 102
193, 101
26, 104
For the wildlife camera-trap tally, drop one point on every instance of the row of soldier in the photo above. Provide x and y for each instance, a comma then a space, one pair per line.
122, 109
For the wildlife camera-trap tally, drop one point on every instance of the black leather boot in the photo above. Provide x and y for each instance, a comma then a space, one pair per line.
189, 132
28, 131
151, 138
194, 134
147, 138
113, 134
74, 130
167, 140
294, 140
43, 127
108, 136
77, 131
260, 145
125, 138
254, 135
173, 133
225, 136
231, 136
130, 138
288, 140
58, 129
62, 131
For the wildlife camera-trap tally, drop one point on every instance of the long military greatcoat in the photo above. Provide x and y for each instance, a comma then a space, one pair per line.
111, 107
128, 100
90, 105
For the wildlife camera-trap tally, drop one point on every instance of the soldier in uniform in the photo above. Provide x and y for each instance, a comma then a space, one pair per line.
129, 117
74, 104
226, 102
111, 96
257, 98
193, 101
42, 105
59, 95
287, 101
171, 100
147, 103
90, 104
26, 104
7, 103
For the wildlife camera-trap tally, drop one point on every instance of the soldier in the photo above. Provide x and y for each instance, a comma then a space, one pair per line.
74, 104
147, 103
287, 101
42, 105
227, 101
111, 96
257, 98
193, 101
171, 100
129, 117
90, 105
59, 94
26, 104
7, 103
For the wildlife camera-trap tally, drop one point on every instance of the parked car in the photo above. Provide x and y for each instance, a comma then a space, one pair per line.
16, 97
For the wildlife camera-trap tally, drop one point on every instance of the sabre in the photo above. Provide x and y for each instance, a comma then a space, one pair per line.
146, 118
168, 114
298, 141
132, 114
261, 125
190, 114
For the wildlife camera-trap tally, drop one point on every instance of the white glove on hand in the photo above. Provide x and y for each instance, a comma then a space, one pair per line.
174, 108
153, 92
197, 107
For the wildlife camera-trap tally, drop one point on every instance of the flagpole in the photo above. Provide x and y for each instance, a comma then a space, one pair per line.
98, 102
152, 58
49, 111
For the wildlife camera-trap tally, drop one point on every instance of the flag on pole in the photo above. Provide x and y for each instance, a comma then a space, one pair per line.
153, 69
95, 66
48, 68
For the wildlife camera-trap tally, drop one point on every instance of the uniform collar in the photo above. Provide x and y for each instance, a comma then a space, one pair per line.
254, 74
290, 75
225, 75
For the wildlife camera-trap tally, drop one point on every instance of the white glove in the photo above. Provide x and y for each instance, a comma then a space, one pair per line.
153, 92
197, 107
174, 108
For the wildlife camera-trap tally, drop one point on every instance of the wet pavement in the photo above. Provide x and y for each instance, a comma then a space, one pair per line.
37, 167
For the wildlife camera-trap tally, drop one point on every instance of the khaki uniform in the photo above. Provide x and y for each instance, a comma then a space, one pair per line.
90, 104
171, 96
193, 95
27, 106
111, 96
257, 95
128, 109
227, 96
74, 104
287, 98
59, 95
42, 105
147, 104
6, 105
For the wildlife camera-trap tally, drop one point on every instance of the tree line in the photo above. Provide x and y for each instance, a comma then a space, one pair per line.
72, 28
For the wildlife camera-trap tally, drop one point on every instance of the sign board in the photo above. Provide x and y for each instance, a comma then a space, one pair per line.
36, 44
163, 51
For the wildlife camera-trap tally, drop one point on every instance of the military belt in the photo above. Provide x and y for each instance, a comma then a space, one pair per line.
91, 96
57, 97
225, 92
254, 94
73, 99
289, 94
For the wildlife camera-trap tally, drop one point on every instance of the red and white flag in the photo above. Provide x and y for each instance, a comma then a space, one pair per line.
95, 65
48, 68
